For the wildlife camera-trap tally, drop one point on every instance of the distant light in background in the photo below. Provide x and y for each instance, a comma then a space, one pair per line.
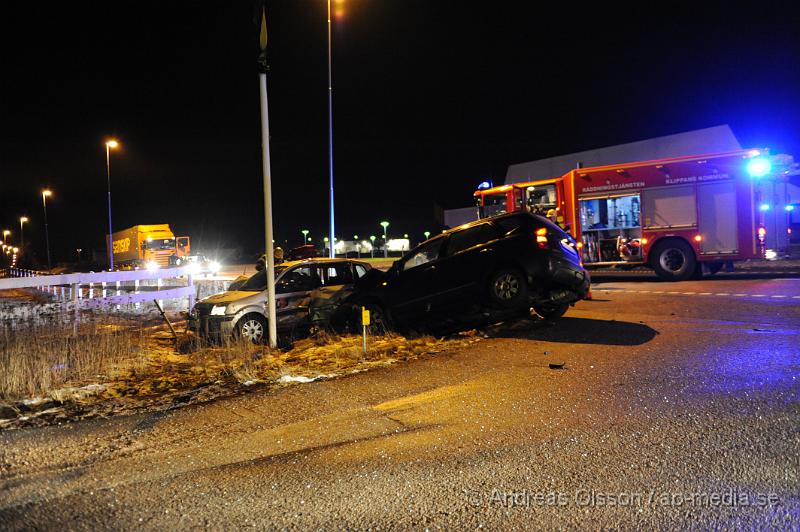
759, 167
764, 207
790, 208
338, 9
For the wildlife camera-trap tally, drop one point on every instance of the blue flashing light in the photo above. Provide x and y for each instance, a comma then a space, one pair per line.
484, 185
764, 207
790, 207
759, 167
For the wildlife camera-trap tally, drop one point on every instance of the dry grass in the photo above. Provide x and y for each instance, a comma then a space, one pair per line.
133, 364
37, 359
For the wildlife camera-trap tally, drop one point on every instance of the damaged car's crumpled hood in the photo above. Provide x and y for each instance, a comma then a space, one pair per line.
226, 298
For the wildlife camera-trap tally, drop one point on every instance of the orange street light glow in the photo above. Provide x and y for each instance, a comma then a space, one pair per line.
112, 144
46, 193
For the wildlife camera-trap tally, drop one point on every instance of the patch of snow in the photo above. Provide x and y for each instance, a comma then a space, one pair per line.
292, 378
302, 379
34, 401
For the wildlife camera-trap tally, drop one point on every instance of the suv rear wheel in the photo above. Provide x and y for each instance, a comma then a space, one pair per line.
508, 289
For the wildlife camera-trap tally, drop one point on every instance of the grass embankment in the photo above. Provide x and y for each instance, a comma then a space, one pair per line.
125, 365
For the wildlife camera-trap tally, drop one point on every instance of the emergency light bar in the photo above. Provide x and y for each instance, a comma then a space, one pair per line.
759, 167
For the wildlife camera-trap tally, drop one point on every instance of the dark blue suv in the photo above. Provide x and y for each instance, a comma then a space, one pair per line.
510, 262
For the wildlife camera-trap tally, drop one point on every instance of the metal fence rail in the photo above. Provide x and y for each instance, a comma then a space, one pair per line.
97, 290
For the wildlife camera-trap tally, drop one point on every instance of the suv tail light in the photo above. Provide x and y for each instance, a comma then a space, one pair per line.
541, 238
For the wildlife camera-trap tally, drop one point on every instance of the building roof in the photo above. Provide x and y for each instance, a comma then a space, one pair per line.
709, 140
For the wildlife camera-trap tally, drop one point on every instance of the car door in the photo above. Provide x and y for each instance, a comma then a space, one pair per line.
466, 261
292, 294
336, 284
410, 287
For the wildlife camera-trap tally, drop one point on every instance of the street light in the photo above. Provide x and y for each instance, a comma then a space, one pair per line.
22, 220
305, 235
385, 224
339, 13
111, 144
372, 249
427, 234
6, 232
45, 195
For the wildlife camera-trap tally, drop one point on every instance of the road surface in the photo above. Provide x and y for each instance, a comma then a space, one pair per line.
677, 407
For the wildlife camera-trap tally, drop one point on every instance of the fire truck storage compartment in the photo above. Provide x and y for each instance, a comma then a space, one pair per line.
611, 228
669, 208
718, 218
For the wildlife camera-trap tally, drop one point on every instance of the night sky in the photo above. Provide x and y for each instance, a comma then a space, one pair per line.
430, 98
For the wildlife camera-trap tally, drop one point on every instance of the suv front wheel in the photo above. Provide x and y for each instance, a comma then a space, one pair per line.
508, 289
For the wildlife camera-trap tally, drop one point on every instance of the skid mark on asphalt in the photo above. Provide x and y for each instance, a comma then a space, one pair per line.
704, 294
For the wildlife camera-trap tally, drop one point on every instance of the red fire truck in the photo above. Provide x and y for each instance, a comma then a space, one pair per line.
683, 216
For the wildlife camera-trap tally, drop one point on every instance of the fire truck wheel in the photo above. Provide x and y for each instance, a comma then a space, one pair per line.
508, 289
252, 327
673, 260
552, 311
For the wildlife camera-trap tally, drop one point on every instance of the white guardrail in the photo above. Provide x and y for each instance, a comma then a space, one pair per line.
97, 290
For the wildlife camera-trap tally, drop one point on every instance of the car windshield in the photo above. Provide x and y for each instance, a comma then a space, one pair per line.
258, 281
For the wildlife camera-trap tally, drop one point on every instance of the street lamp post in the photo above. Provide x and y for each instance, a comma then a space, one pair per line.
305, 235
330, 134
45, 194
22, 220
427, 234
372, 249
385, 224
110, 144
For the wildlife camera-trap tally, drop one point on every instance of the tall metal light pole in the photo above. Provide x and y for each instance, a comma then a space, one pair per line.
45, 194
267, 171
22, 220
330, 135
385, 224
305, 235
110, 144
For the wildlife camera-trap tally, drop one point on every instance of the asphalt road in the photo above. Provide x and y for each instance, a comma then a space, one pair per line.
677, 407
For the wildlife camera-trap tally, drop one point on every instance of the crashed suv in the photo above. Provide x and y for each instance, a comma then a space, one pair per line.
508, 263
307, 292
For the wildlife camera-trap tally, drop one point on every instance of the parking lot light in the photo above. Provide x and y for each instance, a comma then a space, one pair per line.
305, 235
385, 224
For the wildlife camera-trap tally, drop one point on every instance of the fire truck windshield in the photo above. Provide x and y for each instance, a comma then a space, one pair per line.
494, 204
541, 198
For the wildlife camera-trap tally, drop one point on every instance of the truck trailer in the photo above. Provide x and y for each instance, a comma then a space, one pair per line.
148, 245
683, 216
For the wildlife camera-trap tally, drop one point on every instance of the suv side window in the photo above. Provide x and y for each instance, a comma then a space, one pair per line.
423, 255
361, 271
509, 224
336, 274
474, 236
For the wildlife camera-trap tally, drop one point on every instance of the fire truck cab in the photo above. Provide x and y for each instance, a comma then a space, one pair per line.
684, 216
